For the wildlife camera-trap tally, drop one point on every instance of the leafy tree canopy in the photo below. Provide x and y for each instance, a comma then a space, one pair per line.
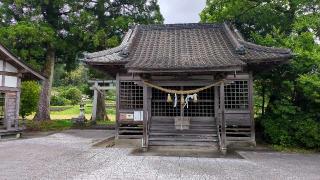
291, 90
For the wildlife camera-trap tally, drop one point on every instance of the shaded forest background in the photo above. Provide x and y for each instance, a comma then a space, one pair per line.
51, 36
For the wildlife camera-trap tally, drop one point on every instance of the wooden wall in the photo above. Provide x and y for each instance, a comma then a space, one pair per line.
11, 109
10, 79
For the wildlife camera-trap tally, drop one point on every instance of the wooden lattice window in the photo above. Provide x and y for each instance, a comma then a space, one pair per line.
203, 108
160, 106
2, 109
205, 105
237, 95
131, 95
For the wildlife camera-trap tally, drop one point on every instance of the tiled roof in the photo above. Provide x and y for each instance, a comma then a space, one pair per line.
258, 54
116, 55
185, 47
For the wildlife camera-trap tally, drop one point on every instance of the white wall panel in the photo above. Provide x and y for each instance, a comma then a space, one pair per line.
10, 81
10, 68
1, 65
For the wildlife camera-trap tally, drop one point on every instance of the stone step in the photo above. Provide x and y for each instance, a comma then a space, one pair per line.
184, 139
181, 134
194, 131
182, 143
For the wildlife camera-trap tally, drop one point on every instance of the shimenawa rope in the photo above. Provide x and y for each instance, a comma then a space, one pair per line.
182, 92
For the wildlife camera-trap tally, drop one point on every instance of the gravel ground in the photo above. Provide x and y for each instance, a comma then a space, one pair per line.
70, 155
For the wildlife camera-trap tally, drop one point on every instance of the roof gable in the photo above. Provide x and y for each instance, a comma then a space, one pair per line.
18, 63
185, 47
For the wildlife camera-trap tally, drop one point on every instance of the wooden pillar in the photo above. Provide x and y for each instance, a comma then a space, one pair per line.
252, 128
16, 125
145, 138
216, 103
7, 119
223, 121
117, 105
95, 101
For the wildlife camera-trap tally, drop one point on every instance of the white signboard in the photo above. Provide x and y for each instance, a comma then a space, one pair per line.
138, 115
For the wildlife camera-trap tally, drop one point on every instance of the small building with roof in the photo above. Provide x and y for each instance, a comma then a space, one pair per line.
186, 84
12, 72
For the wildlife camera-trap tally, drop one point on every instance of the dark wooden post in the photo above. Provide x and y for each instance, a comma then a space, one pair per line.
145, 137
216, 103
253, 133
223, 121
117, 105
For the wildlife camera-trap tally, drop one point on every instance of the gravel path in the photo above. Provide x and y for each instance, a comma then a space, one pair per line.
70, 155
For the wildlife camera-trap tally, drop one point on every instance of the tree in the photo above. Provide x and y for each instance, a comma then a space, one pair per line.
30, 92
94, 25
290, 90
43, 14
110, 20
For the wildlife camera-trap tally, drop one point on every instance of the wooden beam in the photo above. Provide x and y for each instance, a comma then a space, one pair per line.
102, 81
3, 88
10, 74
223, 121
103, 88
219, 69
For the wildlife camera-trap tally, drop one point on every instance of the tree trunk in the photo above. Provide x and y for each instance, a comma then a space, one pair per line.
43, 111
101, 106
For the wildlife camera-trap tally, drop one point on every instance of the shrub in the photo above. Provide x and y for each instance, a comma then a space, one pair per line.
73, 94
30, 93
287, 126
57, 100
308, 133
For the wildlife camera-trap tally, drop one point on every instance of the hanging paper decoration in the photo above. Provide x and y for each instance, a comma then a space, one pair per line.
175, 100
195, 98
169, 99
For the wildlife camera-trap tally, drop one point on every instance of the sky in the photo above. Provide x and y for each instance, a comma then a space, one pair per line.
181, 11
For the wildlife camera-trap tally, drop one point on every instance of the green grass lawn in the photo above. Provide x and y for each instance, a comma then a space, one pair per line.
70, 112
55, 125
61, 118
